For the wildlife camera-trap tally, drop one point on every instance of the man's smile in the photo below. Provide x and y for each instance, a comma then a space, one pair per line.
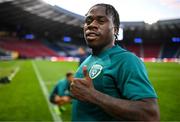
90, 35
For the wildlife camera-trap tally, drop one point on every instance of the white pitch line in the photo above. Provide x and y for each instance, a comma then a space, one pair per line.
14, 73
46, 94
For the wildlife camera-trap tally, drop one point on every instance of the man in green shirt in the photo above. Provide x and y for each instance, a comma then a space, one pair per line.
60, 94
112, 83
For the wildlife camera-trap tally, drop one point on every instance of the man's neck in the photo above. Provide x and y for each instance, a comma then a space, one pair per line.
98, 50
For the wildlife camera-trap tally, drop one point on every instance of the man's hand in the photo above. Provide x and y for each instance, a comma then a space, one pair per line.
57, 98
82, 88
60, 100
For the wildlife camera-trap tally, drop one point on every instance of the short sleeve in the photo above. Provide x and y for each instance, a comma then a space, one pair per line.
134, 80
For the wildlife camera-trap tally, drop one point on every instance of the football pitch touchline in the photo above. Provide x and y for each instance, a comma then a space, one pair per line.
45, 92
14, 73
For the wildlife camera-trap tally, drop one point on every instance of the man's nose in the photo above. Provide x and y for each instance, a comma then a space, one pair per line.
93, 24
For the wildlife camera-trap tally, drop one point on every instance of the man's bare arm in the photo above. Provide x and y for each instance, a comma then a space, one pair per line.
146, 109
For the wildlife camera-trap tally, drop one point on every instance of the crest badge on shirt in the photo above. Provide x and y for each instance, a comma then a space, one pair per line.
95, 71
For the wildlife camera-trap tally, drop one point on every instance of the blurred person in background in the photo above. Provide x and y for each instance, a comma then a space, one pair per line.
111, 84
81, 54
60, 94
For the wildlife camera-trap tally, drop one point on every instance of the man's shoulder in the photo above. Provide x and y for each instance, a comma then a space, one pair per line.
120, 52
124, 58
62, 81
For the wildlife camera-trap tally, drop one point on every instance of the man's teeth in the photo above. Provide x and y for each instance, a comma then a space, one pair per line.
92, 34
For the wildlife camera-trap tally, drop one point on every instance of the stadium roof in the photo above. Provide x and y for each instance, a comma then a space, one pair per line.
149, 11
37, 16
43, 19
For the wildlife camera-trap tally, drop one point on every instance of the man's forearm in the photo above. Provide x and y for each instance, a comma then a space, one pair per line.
146, 109
63, 100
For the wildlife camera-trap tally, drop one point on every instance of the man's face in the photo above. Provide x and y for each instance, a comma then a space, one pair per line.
70, 78
98, 28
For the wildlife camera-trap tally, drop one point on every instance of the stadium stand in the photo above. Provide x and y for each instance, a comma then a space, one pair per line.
27, 48
154, 50
151, 50
2, 52
69, 49
52, 46
170, 50
135, 48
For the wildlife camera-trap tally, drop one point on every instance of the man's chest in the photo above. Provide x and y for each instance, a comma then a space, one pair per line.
103, 74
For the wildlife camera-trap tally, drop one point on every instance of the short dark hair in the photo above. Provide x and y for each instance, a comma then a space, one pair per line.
110, 10
68, 74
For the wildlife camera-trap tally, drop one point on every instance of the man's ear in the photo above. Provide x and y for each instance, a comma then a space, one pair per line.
116, 31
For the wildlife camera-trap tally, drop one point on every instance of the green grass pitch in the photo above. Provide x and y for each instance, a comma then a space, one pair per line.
23, 99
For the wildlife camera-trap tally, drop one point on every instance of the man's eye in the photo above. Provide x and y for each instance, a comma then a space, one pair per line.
88, 20
101, 20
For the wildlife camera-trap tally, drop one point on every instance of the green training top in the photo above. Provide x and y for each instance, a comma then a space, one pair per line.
61, 88
118, 73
